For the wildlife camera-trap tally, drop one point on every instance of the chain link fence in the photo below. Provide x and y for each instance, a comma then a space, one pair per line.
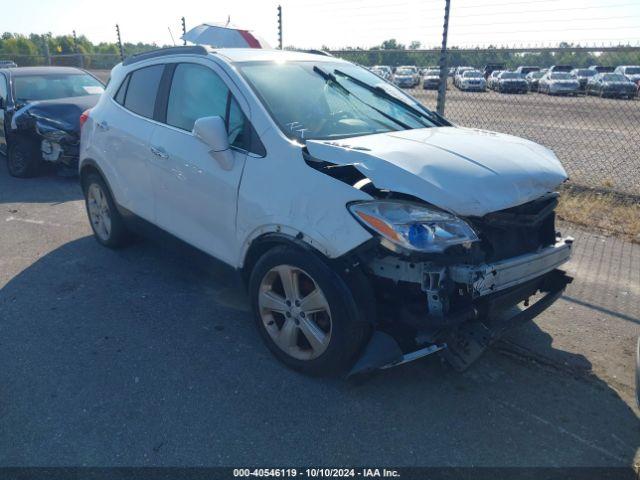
596, 137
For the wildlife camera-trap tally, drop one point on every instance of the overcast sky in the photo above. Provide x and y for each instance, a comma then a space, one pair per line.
338, 23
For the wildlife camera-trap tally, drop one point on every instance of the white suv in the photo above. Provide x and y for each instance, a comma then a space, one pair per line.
368, 229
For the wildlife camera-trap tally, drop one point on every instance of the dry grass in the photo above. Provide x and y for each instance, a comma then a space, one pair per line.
604, 211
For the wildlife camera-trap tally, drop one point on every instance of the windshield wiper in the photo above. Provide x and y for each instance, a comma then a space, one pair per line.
432, 116
331, 78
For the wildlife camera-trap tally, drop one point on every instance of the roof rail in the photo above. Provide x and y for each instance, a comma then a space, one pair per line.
160, 52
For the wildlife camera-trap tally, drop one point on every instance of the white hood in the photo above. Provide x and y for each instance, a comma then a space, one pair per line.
463, 171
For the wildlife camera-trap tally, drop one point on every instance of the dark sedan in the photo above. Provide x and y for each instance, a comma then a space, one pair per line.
613, 85
583, 75
511, 82
40, 110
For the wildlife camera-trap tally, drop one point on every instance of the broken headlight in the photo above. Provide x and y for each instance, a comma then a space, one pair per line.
413, 227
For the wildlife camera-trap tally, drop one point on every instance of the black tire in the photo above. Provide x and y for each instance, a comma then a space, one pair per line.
23, 157
118, 235
349, 328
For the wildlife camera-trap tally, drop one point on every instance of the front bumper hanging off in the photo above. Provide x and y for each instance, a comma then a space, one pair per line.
497, 288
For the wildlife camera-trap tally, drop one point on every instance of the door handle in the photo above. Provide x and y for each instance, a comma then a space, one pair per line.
103, 125
159, 152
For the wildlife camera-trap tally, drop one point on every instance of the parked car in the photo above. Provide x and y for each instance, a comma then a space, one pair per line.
493, 79
472, 80
632, 72
601, 69
492, 67
40, 111
524, 71
406, 77
559, 83
560, 68
614, 85
511, 82
424, 70
383, 71
357, 220
533, 79
8, 64
583, 75
458, 75
431, 80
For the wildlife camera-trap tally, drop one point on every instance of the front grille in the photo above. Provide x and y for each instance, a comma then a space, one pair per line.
517, 230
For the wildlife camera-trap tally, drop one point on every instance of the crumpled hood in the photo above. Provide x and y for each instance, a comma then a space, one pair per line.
464, 171
62, 113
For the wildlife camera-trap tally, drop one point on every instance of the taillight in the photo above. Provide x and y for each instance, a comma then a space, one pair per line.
84, 117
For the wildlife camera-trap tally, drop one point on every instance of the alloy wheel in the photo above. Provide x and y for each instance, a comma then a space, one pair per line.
99, 212
295, 312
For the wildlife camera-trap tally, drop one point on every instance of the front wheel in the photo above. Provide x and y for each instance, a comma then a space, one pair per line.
305, 312
23, 158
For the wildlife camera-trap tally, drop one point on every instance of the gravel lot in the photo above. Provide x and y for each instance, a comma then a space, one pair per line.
148, 356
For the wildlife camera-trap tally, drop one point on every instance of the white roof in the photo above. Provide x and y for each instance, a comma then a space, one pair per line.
259, 54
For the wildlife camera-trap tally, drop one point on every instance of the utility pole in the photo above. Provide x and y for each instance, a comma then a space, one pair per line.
76, 50
120, 42
184, 31
444, 71
280, 27
47, 54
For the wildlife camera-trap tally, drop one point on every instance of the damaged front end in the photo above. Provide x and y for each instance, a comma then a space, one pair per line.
447, 284
458, 302
54, 128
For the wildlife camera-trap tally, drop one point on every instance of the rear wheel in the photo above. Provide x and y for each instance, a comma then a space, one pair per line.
305, 312
23, 158
106, 222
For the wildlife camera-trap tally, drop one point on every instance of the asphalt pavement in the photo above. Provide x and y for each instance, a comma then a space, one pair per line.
148, 356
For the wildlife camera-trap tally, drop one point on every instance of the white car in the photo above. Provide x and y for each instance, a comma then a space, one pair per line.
369, 230
632, 72
472, 80
406, 76
382, 71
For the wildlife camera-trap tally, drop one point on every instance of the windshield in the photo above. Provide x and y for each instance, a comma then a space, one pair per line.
432, 73
510, 75
321, 101
50, 87
536, 74
614, 77
586, 72
472, 75
404, 71
632, 70
561, 76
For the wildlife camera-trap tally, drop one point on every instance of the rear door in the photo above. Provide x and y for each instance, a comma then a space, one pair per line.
196, 199
4, 89
124, 128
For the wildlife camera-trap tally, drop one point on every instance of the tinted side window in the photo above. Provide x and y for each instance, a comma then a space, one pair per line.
142, 90
196, 92
237, 126
122, 91
3, 87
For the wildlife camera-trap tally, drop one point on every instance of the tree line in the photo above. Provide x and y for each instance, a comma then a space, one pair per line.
32, 50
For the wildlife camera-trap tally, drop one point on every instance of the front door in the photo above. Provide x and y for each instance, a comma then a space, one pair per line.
196, 198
